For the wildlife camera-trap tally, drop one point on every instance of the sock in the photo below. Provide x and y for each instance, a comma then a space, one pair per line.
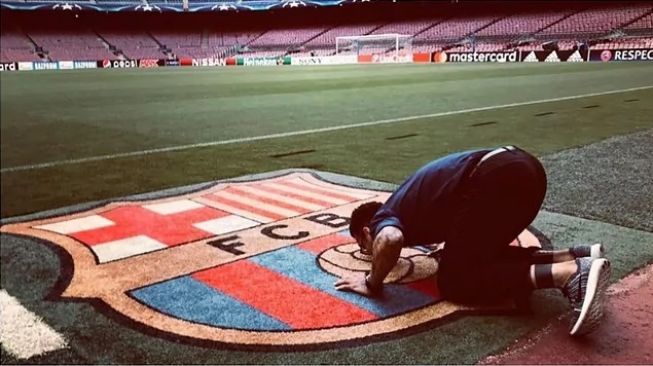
571, 276
579, 251
544, 276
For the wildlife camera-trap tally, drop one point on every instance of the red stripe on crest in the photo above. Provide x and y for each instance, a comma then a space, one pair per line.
297, 196
426, 286
321, 244
323, 192
269, 201
245, 207
294, 303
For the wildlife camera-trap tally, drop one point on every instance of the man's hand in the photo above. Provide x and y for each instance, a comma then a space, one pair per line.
354, 283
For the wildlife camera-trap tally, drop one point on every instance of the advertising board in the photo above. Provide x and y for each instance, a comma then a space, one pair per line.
147, 63
66, 65
205, 62
554, 56
117, 64
8, 66
499, 56
85, 64
639, 54
46, 65
263, 61
324, 60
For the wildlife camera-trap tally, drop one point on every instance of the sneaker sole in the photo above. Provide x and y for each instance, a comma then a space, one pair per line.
592, 309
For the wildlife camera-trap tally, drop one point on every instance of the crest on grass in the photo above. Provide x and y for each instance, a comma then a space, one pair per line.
248, 263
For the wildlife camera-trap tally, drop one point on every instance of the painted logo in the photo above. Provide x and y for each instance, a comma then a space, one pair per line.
242, 263
606, 55
148, 63
440, 57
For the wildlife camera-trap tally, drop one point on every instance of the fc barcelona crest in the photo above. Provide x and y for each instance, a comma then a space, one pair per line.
243, 263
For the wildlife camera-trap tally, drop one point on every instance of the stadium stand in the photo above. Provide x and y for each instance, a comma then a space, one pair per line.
453, 29
407, 27
16, 47
276, 53
202, 44
283, 38
430, 47
328, 38
522, 24
133, 45
645, 22
115, 36
596, 20
480, 47
78, 45
628, 43
226, 40
563, 45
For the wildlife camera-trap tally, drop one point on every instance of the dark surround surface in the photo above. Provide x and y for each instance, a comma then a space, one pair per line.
608, 181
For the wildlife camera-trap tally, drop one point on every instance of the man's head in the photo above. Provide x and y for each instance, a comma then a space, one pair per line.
359, 228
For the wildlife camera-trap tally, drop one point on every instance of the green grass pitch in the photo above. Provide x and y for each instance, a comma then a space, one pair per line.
110, 118
55, 116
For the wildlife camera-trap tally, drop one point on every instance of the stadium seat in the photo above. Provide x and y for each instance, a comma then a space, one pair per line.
15, 46
495, 32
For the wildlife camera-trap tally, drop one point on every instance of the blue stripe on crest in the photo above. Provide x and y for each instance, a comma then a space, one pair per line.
189, 299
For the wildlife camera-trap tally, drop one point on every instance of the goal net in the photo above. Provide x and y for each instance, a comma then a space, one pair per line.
381, 47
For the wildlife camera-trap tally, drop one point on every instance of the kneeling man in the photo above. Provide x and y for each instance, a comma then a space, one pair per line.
477, 202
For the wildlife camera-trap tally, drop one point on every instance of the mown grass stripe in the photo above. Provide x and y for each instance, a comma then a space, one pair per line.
306, 132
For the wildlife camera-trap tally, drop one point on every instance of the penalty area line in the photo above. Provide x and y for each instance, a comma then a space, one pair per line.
306, 132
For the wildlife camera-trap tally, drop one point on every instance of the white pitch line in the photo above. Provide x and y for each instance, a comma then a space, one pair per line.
305, 132
22, 333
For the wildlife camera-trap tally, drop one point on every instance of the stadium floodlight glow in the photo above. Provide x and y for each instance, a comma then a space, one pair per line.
392, 47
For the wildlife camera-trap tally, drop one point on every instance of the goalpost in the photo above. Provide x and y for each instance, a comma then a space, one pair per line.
382, 47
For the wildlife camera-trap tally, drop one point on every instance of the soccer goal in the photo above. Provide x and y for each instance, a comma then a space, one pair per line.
381, 47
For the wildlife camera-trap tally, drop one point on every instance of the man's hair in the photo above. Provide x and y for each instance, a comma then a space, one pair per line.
362, 216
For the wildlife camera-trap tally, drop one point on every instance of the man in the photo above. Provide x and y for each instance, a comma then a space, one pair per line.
477, 202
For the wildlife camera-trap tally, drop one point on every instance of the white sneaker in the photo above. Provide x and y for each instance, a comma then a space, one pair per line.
585, 291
